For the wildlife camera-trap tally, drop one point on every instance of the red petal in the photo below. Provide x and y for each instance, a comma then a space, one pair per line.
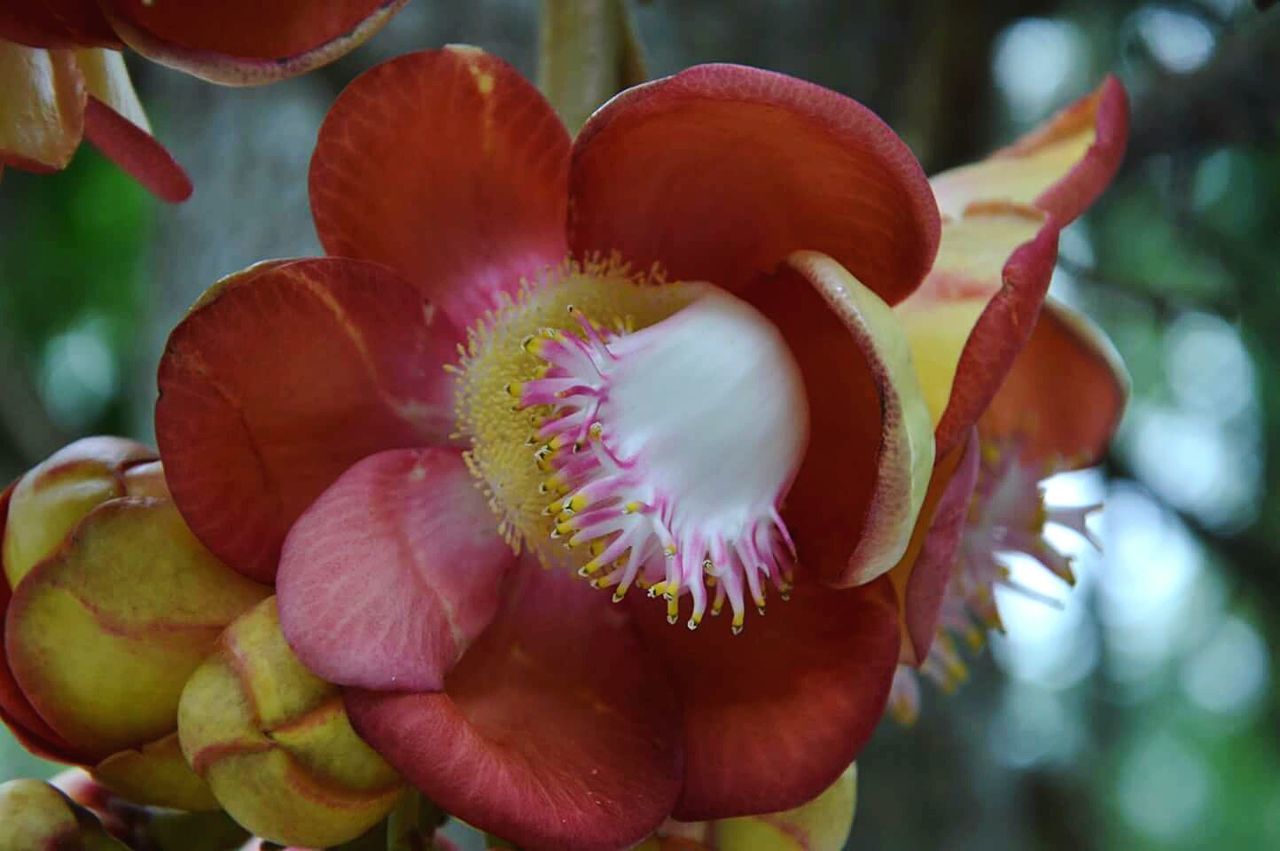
42, 97
1060, 167
774, 715
243, 42
450, 168
393, 571
556, 730
281, 378
924, 577
854, 502
56, 23
721, 171
16, 711
136, 152
1065, 393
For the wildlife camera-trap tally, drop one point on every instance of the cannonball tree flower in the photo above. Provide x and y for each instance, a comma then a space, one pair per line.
108, 604
63, 79
660, 358
1054, 407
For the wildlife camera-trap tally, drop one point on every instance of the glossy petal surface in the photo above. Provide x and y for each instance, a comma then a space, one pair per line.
975, 311
864, 476
557, 729
1065, 393
42, 99
774, 715
719, 172
1060, 167
448, 167
281, 378
393, 572
244, 42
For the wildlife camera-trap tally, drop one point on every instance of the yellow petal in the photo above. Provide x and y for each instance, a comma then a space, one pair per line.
156, 775
907, 448
968, 273
42, 97
107, 79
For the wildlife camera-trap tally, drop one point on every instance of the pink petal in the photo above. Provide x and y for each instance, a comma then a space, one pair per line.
557, 729
392, 572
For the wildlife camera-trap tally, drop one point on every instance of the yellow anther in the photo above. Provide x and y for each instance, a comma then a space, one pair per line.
717, 606
514, 388
673, 609
736, 626
657, 588
619, 593
695, 621
589, 568
577, 502
565, 527
632, 507
597, 547
669, 550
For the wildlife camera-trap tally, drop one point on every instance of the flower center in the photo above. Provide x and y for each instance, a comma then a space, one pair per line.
642, 432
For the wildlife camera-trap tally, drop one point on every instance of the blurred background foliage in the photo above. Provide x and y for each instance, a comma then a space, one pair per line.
1141, 713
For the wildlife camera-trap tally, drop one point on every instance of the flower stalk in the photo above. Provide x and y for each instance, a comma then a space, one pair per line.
588, 51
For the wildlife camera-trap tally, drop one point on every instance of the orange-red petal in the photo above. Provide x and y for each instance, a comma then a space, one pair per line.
392, 572
1065, 394
558, 729
1060, 167
281, 378
774, 715
42, 98
245, 42
56, 24
855, 498
719, 172
449, 167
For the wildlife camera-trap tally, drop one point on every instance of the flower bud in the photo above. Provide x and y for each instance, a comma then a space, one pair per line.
823, 824
109, 603
274, 744
35, 815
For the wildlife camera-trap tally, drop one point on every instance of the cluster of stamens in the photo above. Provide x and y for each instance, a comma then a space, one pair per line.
610, 505
1007, 517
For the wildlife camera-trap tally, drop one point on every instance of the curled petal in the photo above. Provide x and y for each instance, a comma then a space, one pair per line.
864, 476
1065, 393
42, 98
975, 311
56, 24
279, 379
774, 715
922, 576
1060, 167
450, 168
558, 729
391, 574
719, 172
247, 42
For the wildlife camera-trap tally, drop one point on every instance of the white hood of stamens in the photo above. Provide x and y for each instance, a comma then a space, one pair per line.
710, 404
